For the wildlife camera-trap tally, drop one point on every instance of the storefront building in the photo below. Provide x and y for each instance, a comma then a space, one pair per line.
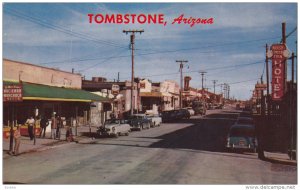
31, 90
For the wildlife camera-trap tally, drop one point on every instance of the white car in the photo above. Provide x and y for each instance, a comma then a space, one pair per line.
155, 120
116, 127
192, 112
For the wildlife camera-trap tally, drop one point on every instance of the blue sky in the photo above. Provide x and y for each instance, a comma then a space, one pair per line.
59, 36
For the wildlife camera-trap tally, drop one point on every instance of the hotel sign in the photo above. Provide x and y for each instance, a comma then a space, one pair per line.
278, 53
12, 93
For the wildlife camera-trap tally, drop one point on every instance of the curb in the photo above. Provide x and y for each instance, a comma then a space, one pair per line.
46, 146
281, 161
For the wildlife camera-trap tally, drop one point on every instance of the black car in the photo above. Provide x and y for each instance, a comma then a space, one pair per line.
185, 114
166, 116
139, 122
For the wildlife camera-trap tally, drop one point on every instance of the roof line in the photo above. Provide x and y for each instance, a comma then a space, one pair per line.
4, 59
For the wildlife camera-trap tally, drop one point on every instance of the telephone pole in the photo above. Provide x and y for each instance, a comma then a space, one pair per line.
215, 81
180, 68
132, 38
228, 90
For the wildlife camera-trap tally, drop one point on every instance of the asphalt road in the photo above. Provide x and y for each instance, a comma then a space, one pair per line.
187, 152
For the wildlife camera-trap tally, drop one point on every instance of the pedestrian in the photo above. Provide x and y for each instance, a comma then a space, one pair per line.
53, 126
44, 124
30, 122
17, 137
58, 127
69, 134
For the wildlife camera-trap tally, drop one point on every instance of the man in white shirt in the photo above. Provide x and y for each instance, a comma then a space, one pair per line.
30, 123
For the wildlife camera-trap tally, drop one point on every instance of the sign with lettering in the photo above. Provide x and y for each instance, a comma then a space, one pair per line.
260, 86
12, 93
115, 89
279, 55
142, 85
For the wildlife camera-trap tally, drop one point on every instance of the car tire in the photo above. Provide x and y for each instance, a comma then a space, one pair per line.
127, 134
116, 135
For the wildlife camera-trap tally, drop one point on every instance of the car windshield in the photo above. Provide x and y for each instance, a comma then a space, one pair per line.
242, 132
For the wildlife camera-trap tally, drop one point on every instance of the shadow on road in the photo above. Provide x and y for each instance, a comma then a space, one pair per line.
208, 133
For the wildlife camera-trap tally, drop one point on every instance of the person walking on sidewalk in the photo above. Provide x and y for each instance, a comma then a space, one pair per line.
59, 126
53, 126
17, 137
44, 124
30, 122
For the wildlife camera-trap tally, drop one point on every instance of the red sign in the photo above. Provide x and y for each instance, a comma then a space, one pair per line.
142, 85
12, 93
115, 89
278, 71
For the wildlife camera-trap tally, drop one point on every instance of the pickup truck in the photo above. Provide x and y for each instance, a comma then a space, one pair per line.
155, 120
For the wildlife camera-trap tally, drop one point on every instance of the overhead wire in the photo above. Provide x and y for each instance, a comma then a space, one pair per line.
60, 28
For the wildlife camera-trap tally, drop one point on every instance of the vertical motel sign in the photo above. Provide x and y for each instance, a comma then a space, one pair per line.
278, 53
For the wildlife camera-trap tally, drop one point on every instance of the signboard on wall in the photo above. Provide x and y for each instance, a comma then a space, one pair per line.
12, 93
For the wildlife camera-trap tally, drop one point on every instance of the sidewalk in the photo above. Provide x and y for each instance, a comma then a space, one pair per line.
46, 143
279, 158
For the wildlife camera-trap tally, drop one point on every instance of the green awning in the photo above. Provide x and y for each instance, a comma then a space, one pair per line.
50, 93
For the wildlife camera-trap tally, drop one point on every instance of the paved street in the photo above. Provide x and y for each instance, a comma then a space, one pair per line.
188, 152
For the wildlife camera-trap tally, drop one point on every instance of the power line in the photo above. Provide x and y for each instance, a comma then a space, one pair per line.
105, 60
222, 44
214, 68
59, 28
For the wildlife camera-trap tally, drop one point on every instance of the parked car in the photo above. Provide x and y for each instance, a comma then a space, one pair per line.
190, 109
115, 127
244, 121
184, 114
155, 120
242, 137
199, 107
220, 106
166, 116
139, 122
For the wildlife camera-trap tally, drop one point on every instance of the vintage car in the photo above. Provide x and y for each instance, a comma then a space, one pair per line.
184, 113
190, 109
139, 122
242, 137
115, 127
199, 107
155, 120
166, 116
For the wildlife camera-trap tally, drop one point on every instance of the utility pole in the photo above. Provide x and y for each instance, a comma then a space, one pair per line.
268, 88
285, 62
225, 90
118, 77
202, 74
132, 38
180, 68
214, 81
228, 91
221, 89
